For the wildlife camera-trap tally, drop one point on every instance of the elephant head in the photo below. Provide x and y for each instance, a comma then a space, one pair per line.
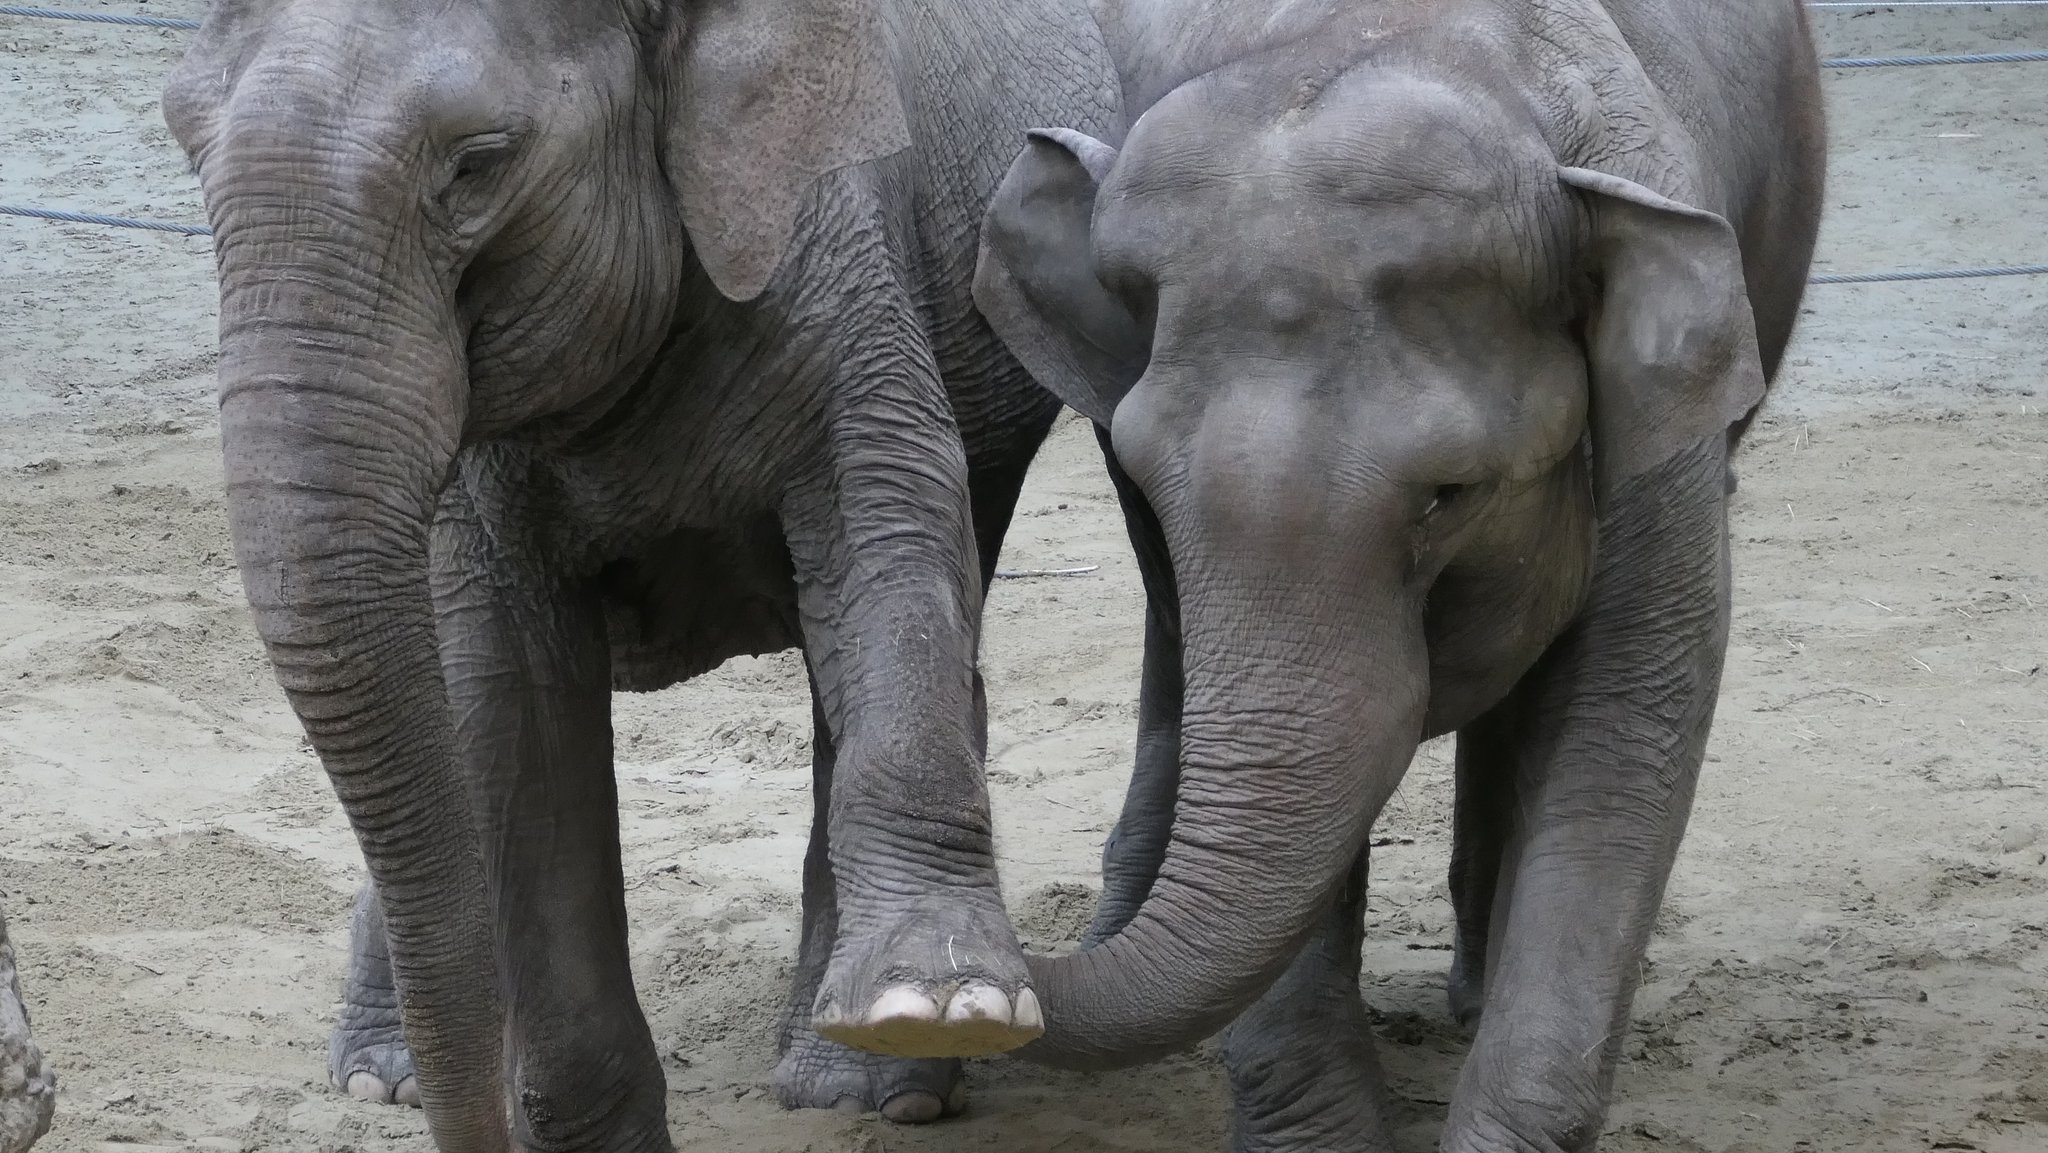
440, 222
1332, 320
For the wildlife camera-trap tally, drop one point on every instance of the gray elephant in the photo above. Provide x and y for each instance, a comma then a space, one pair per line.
568, 346
1418, 335
28, 1090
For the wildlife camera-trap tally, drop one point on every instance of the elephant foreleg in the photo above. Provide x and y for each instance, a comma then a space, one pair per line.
1303, 1074
1136, 846
528, 670
1482, 823
1613, 730
815, 1073
924, 962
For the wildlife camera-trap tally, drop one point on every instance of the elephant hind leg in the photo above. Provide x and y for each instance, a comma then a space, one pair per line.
367, 1056
1303, 1074
815, 1073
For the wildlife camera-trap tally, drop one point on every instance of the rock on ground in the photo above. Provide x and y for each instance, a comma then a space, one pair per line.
28, 1091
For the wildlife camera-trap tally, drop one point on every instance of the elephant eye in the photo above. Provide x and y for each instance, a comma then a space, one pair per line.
1445, 495
479, 154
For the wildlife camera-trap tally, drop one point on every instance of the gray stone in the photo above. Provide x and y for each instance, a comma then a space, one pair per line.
28, 1090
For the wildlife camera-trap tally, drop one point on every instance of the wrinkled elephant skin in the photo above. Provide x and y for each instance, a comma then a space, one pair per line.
568, 347
1418, 334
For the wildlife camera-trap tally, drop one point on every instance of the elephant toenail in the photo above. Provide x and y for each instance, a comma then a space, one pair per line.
1028, 1014
368, 1087
408, 1093
979, 1003
913, 1108
903, 1003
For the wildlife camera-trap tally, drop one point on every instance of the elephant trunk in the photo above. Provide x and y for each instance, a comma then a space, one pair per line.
342, 377
1305, 689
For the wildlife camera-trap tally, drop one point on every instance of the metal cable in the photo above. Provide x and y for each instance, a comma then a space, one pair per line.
98, 17
1825, 278
96, 218
1913, 61
1929, 274
1873, 5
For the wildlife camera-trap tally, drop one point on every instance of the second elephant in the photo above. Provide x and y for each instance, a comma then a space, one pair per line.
1418, 336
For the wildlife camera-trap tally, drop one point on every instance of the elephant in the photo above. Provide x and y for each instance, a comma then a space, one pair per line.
573, 347
28, 1089
1418, 335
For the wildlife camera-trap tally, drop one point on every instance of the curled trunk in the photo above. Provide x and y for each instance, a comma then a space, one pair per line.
1305, 689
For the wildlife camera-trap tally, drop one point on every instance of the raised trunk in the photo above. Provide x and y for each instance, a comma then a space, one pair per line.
1305, 690
342, 374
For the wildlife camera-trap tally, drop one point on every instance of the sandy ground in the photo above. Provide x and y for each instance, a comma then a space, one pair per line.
1854, 954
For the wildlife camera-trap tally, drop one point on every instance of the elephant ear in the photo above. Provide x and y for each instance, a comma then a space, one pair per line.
1672, 343
1035, 280
766, 97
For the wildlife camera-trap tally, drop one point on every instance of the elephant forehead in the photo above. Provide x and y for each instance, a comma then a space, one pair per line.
1394, 172
1370, 134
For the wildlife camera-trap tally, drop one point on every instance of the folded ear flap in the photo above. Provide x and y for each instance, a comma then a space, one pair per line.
1672, 342
767, 96
1036, 282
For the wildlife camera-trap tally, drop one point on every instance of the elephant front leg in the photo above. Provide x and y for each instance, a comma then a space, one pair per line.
1303, 1074
814, 1073
528, 669
1137, 845
924, 962
1482, 823
1610, 733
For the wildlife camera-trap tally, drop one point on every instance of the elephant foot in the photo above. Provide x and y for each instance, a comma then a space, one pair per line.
372, 1065
367, 1057
1304, 1084
935, 978
815, 1073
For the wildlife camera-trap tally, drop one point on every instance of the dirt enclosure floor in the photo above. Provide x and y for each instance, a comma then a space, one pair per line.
1853, 956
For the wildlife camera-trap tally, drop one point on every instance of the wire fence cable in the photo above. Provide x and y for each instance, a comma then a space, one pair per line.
97, 218
1916, 61
98, 17
1824, 278
1929, 274
1875, 5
